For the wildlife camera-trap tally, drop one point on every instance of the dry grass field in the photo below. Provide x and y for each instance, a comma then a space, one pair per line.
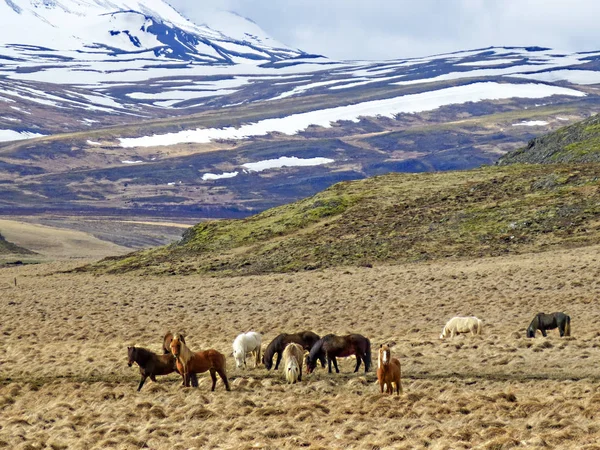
65, 382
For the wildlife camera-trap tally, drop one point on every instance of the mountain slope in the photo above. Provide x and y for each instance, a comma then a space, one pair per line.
579, 142
392, 219
12, 249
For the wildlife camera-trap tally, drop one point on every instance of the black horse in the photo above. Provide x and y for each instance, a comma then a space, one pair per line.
150, 363
305, 338
332, 347
544, 322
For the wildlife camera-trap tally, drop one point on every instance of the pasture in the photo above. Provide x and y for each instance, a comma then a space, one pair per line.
65, 381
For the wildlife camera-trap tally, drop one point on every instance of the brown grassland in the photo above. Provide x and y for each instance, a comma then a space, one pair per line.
65, 382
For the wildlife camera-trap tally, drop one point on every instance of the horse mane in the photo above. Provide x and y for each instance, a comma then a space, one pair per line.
142, 354
273, 346
316, 349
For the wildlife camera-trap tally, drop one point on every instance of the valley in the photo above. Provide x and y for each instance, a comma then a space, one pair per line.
66, 383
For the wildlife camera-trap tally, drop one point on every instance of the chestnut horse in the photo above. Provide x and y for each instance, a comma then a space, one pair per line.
150, 363
305, 338
167, 351
332, 347
388, 371
189, 362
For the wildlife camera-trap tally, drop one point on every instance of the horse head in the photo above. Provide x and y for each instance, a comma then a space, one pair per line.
268, 362
530, 332
176, 345
385, 355
238, 355
130, 356
311, 364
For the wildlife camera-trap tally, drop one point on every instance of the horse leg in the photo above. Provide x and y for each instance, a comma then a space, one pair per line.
329, 364
357, 363
142, 382
335, 365
194, 379
278, 360
224, 378
561, 330
213, 375
544, 332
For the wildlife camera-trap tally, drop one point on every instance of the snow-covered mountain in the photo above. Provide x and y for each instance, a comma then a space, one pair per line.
156, 110
67, 30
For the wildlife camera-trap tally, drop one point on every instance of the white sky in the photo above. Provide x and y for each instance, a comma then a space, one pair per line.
388, 29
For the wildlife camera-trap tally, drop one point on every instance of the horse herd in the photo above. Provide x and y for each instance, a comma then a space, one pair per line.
302, 348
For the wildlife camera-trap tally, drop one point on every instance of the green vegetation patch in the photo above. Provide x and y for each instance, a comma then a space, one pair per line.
394, 218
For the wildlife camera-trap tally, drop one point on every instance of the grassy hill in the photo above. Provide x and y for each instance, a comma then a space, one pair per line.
8, 248
579, 142
394, 218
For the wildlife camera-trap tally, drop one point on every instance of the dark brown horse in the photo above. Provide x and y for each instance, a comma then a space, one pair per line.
545, 322
150, 363
305, 338
189, 362
332, 347
167, 351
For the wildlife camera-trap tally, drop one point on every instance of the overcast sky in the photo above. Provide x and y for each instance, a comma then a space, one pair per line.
386, 29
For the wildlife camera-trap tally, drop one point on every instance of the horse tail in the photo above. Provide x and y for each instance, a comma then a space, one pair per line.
568, 326
368, 355
478, 326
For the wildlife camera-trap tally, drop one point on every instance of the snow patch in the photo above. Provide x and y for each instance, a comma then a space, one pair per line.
286, 161
412, 103
11, 135
213, 176
531, 123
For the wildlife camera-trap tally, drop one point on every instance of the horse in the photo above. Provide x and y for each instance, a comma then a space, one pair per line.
189, 362
332, 347
168, 337
150, 363
545, 322
247, 343
388, 371
305, 338
458, 325
293, 355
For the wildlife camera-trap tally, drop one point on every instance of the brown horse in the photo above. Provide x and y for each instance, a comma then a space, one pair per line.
167, 351
332, 347
189, 362
388, 371
305, 338
150, 363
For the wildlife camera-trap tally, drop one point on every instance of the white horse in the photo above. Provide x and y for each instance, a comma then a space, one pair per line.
293, 357
458, 325
247, 343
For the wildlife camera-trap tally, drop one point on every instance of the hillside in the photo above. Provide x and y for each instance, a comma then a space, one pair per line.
579, 142
394, 218
8, 248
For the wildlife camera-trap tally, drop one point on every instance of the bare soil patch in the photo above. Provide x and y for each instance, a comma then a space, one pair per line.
65, 382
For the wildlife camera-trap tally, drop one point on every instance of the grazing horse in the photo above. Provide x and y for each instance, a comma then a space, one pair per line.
150, 363
305, 338
458, 325
545, 322
332, 347
293, 355
167, 351
189, 362
247, 343
388, 371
